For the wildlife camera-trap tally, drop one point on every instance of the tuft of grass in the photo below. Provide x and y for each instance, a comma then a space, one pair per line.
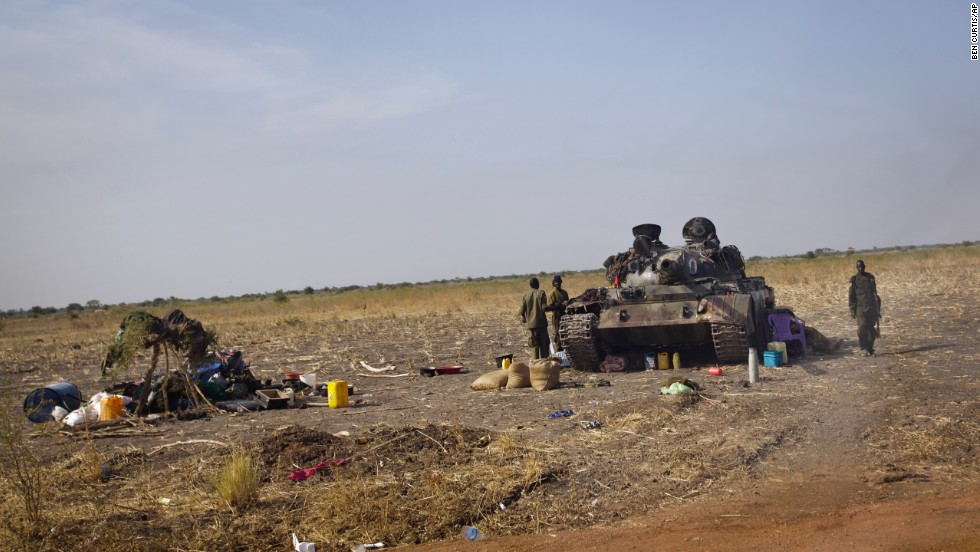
21, 472
290, 321
238, 482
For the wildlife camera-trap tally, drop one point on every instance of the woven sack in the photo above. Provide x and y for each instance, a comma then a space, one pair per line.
518, 376
490, 381
544, 373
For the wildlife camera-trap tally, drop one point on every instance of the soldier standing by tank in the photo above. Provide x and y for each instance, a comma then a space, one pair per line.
557, 298
865, 307
533, 316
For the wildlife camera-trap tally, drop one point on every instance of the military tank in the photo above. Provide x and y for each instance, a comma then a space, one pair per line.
661, 298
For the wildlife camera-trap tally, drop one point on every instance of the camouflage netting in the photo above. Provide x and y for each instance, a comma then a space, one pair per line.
141, 330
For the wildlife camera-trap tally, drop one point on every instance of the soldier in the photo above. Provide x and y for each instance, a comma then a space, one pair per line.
557, 299
532, 315
865, 307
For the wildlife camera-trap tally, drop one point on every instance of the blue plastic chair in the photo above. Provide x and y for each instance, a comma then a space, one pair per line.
786, 327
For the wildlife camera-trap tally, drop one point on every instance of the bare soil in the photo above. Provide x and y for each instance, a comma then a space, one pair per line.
833, 451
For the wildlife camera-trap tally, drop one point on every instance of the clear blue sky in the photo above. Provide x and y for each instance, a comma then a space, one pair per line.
191, 149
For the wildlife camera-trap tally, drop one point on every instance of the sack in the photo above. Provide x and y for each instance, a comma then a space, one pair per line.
490, 381
518, 376
544, 373
79, 416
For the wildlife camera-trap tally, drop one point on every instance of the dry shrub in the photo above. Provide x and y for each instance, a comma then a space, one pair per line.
942, 441
631, 421
237, 482
22, 476
88, 465
422, 484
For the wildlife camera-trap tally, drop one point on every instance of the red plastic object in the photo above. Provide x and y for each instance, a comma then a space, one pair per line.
449, 369
716, 371
300, 475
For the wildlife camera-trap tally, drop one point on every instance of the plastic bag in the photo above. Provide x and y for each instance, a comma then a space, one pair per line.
85, 414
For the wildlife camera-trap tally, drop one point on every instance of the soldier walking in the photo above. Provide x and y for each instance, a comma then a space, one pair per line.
533, 316
865, 308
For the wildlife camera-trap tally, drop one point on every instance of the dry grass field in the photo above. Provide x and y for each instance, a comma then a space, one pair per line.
830, 451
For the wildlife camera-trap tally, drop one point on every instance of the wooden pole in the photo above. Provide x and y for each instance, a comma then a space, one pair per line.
148, 380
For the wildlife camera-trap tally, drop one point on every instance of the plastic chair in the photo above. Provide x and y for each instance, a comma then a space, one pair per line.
786, 327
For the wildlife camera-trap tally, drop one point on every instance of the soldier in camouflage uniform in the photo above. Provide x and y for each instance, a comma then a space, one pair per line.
865, 307
557, 298
532, 315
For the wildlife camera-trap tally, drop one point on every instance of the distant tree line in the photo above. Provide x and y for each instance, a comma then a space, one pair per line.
280, 296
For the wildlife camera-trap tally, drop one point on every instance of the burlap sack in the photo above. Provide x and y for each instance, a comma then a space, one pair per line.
491, 380
518, 376
545, 373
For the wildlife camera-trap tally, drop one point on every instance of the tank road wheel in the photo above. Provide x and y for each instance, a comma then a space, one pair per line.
731, 343
578, 333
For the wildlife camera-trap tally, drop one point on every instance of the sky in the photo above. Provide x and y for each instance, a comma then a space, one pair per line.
196, 149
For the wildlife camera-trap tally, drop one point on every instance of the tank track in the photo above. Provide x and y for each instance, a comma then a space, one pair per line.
577, 333
731, 343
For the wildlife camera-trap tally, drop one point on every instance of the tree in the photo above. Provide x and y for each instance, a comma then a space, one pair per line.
74, 307
308, 290
93, 304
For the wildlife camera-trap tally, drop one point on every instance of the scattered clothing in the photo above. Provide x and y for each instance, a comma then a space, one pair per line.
302, 474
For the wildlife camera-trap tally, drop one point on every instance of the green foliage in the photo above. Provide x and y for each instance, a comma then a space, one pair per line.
308, 290
280, 297
74, 307
134, 333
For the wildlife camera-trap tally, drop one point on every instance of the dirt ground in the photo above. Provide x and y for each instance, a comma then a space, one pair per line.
833, 451
849, 463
